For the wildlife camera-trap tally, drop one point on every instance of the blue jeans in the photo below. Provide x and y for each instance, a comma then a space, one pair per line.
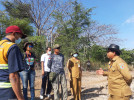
25, 76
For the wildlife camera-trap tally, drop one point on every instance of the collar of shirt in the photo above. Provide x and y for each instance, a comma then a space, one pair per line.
6, 39
47, 54
74, 58
115, 58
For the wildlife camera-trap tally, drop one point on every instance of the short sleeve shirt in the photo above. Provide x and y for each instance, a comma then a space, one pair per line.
57, 63
14, 56
44, 58
15, 63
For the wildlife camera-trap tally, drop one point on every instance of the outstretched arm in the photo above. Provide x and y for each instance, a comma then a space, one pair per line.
102, 72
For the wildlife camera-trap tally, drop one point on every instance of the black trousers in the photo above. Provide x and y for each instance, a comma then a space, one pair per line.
46, 83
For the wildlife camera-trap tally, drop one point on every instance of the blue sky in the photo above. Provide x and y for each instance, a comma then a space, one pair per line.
119, 13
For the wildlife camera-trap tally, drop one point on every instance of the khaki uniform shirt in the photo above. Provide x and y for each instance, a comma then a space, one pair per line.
119, 77
74, 64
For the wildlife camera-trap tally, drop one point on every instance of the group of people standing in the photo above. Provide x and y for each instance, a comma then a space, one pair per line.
13, 64
54, 64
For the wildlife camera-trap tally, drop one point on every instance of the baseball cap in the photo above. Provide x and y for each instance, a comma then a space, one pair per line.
15, 28
56, 46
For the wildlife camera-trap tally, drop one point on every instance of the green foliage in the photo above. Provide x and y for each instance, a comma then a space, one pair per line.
1, 36
24, 24
70, 29
98, 53
69, 44
17, 9
1, 31
127, 55
80, 17
95, 65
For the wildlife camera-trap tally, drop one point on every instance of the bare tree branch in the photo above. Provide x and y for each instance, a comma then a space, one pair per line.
101, 34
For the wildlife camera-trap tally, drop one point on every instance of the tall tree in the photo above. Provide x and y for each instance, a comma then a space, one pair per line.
97, 34
24, 24
2, 26
102, 34
38, 11
70, 25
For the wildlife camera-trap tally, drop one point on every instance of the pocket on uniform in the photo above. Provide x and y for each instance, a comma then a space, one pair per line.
113, 69
52, 76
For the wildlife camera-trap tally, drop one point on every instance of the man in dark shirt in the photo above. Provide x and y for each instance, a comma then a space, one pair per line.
56, 64
11, 64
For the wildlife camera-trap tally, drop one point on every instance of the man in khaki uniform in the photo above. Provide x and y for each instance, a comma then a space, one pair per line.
119, 77
75, 75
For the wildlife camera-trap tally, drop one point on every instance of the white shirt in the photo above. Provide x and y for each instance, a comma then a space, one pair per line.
44, 58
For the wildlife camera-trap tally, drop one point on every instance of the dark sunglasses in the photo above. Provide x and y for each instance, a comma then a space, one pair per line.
58, 48
110, 51
30, 46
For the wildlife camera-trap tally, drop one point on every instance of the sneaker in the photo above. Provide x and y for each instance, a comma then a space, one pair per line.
41, 96
48, 95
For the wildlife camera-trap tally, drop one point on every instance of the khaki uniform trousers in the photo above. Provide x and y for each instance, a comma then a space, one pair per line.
113, 97
76, 88
71, 90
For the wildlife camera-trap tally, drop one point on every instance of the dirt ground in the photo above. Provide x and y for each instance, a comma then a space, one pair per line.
94, 87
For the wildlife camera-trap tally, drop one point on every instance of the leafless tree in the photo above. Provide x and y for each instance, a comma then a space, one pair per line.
40, 13
102, 34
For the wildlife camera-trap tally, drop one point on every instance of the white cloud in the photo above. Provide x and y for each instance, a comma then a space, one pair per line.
130, 20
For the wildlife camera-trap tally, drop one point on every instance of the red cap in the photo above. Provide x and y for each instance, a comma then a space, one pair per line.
15, 28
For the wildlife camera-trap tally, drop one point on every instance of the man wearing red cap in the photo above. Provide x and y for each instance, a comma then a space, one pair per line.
11, 64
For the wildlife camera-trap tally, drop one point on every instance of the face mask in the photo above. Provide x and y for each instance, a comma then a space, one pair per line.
18, 41
75, 55
49, 52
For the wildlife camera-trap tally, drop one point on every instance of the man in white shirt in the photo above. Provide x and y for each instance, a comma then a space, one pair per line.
45, 74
